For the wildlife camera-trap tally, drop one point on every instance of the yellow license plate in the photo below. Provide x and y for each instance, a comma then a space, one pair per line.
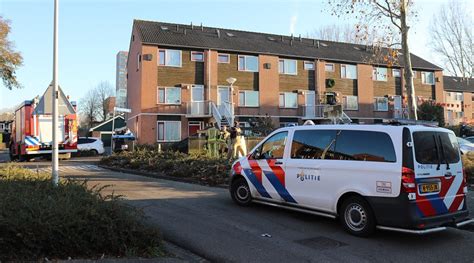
429, 188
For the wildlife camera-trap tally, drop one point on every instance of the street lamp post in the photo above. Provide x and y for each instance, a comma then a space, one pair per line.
55, 155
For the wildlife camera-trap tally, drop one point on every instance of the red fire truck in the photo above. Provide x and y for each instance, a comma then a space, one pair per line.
32, 132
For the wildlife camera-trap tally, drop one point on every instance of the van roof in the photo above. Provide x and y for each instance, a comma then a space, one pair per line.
371, 127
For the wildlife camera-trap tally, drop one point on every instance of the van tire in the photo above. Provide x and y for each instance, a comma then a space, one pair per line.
357, 217
240, 192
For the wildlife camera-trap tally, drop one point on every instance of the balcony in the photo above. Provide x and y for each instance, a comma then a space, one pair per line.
322, 111
198, 109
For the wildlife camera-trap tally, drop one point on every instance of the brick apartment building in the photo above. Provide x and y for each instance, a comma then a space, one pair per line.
180, 78
459, 94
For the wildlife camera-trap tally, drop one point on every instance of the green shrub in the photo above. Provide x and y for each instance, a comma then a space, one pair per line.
205, 170
39, 220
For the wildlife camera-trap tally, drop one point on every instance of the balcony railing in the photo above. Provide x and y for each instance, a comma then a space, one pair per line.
198, 108
401, 113
321, 111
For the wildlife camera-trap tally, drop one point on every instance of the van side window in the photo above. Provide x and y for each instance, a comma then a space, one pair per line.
274, 147
313, 144
364, 146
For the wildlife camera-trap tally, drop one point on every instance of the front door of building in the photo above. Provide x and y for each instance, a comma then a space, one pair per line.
193, 127
197, 100
310, 104
223, 97
397, 107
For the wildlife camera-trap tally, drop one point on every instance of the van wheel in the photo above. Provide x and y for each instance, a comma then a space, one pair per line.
357, 217
240, 192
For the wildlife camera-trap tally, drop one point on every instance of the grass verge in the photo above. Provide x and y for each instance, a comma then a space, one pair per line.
39, 220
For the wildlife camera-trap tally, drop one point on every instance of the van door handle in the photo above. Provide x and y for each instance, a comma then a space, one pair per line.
278, 162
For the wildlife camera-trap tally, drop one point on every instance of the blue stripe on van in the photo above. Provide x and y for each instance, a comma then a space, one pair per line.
279, 187
259, 186
437, 203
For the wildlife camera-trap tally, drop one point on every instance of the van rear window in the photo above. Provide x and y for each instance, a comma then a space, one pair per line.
435, 147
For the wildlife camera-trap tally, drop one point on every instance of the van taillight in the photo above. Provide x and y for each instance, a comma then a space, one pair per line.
408, 180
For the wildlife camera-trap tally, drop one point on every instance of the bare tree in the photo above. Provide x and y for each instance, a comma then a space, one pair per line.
452, 38
104, 90
389, 18
89, 108
343, 33
10, 60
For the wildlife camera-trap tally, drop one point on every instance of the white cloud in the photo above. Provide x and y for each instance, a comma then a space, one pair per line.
293, 21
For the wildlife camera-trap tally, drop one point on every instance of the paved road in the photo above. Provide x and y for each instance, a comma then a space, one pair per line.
205, 221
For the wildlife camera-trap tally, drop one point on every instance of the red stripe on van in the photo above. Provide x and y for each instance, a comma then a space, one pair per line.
458, 199
278, 171
425, 206
445, 185
256, 170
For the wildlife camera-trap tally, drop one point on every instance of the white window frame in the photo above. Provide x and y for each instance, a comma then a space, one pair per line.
284, 106
414, 73
164, 99
199, 52
244, 103
397, 70
309, 63
166, 64
376, 76
284, 70
332, 65
164, 131
423, 78
344, 98
459, 96
380, 109
345, 71
245, 63
223, 54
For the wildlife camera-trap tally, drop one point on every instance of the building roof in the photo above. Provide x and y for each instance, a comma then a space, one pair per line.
458, 84
107, 125
179, 35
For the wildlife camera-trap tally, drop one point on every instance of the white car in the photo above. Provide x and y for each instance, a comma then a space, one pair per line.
401, 178
92, 144
465, 146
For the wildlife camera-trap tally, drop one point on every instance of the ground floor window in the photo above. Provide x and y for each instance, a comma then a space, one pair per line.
168, 131
288, 100
380, 104
350, 103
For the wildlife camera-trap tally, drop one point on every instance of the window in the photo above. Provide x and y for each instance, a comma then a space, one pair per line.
248, 63
380, 104
169, 95
350, 103
427, 78
223, 58
288, 100
348, 72
329, 67
379, 74
287, 66
273, 148
168, 131
308, 65
459, 114
364, 146
459, 96
139, 61
169, 58
313, 144
197, 56
430, 146
248, 98
397, 73
414, 74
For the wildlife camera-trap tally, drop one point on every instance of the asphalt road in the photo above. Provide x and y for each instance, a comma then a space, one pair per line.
206, 221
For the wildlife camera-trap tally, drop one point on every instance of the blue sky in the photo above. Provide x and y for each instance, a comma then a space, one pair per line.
92, 32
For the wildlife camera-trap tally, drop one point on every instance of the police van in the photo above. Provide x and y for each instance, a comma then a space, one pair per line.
401, 178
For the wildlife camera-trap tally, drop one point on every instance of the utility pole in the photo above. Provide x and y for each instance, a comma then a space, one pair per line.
55, 157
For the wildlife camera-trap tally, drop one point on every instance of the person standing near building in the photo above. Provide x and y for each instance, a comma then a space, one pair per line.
224, 139
236, 141
212, 141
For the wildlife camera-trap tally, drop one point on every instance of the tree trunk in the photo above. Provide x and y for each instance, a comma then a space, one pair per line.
408, 72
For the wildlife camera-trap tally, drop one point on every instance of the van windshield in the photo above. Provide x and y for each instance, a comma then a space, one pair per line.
435, 147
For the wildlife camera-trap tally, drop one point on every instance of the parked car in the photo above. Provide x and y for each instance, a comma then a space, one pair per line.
470, 139
92, 144
401, 178
465, 145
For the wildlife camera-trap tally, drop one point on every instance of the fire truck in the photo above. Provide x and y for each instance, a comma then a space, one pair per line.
32, 132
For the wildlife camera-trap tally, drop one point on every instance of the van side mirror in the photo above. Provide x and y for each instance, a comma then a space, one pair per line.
256, 154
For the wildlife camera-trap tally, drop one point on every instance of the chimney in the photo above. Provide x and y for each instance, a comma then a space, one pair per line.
301, 38
317, 44
202, 28
281, 38
192, 26
218, 33
184, 31
177, 27
291, 42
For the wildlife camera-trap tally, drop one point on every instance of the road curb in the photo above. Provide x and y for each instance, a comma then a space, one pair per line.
159, 176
